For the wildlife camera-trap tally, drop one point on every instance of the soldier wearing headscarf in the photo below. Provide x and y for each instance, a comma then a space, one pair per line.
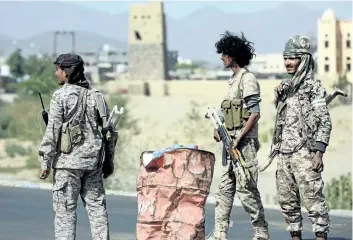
73, 147
303, 128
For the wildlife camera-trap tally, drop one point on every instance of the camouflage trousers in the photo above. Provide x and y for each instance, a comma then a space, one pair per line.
297, 183
68, 185
249, 195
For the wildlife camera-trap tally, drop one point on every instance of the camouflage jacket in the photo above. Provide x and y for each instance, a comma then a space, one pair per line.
87, 155
313, 122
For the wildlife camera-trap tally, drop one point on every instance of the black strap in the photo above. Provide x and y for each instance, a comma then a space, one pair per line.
84, 106
240, 91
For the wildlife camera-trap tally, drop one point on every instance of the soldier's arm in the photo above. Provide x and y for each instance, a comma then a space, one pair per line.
321, 113
48, 148
251, 95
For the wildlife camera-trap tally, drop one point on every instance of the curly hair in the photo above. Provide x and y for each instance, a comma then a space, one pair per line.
238, 48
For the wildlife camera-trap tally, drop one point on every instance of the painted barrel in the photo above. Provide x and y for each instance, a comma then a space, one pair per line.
171, 199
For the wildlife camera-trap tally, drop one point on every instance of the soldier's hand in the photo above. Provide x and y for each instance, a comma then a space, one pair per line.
317, 163
44, 173
278, 91
216, 135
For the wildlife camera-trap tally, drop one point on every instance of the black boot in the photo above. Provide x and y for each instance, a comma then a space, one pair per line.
321, 236
296, 235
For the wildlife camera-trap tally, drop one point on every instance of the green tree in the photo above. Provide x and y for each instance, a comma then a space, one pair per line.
186, 66
42, 76
16, 63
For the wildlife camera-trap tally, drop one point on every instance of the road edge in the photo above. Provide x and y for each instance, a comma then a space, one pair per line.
210, 200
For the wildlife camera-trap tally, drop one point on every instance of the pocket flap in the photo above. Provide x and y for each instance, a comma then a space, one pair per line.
225, 104
59, 185
237, 102
64, 127
312, 176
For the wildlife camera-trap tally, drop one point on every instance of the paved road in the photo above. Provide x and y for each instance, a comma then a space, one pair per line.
26, 214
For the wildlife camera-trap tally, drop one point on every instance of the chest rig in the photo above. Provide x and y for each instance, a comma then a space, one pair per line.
235, 114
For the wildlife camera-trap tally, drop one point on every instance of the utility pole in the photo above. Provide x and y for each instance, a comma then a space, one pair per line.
73, 40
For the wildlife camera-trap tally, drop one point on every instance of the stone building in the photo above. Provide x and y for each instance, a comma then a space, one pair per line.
147, 53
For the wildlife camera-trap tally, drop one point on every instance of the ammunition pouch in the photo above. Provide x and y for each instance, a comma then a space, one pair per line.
235, 115
72, 131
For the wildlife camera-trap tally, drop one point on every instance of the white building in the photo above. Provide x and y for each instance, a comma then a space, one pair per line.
268, 64
334, 47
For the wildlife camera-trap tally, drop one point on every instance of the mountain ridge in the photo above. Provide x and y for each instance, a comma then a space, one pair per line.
192, 36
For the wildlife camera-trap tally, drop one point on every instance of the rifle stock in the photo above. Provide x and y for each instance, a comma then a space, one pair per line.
228, 146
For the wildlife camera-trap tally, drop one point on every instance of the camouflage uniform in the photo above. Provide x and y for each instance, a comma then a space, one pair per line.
231, 181
79, 172
303, 127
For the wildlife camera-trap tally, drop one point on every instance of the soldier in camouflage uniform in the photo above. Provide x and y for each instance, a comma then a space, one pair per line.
241, 122
78, 171
303, 128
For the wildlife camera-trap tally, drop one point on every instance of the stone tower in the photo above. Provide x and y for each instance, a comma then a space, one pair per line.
147, 42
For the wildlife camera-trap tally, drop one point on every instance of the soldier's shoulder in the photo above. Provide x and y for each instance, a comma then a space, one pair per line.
58, 93
313, 82
96, 92
249, 77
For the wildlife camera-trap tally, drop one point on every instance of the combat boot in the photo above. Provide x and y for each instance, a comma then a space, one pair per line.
261, 233
321, 236
296, 235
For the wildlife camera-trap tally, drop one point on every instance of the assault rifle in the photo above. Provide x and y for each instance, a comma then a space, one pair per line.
336, 92
44, 113
228, 143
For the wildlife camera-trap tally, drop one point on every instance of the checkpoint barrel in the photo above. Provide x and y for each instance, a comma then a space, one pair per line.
171, 199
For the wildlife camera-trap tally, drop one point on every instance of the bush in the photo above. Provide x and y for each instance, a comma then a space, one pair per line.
5, 121
32, 162
23, 119
13, 149
338, 192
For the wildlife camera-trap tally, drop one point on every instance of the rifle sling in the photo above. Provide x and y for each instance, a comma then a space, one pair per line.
83, 92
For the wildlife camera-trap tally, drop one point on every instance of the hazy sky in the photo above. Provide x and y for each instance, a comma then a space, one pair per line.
180, 9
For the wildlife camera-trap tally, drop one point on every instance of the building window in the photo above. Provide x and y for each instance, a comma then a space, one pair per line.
348, 67
348, 43
327, 68
326, 44
348, 58
326, 58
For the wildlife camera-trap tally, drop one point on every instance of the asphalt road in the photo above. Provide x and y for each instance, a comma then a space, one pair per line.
26, 214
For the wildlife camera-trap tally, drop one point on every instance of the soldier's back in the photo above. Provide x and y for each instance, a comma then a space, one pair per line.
85, 155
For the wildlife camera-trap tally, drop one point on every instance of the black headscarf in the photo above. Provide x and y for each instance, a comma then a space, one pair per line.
72, 64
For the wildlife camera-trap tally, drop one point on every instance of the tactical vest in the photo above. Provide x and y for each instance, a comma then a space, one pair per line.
235, 114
